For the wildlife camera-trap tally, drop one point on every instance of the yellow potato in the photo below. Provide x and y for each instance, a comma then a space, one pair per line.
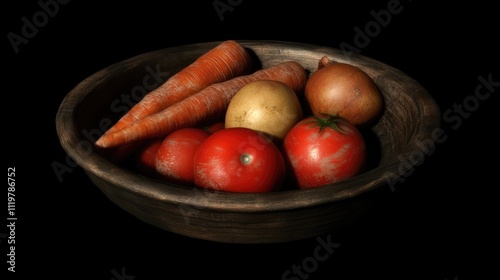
270, 107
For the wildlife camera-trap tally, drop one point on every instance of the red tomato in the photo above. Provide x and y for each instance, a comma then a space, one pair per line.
320, 151
213, 127
174, 158
240, 160
145, 157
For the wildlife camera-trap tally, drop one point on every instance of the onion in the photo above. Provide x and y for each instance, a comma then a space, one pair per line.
343, 90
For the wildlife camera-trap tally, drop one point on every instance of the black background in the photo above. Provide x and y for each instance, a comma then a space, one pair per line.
437, 224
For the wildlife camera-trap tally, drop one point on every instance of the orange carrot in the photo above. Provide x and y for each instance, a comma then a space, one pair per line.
225, 61
207, 104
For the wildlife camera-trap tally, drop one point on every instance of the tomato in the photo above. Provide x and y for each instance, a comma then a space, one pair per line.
213, 127
174, 158
321, 151
145, 156
240, 160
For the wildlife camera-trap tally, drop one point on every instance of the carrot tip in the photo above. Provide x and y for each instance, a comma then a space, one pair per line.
101, 143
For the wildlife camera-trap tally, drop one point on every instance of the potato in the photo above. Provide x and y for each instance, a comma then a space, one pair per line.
270, 107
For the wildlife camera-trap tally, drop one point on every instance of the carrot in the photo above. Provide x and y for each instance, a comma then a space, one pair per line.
225, 61
208, 103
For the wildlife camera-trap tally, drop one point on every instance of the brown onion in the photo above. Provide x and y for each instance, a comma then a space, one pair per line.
345, 90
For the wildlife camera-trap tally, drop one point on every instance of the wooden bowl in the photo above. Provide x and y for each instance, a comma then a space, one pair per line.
410, 117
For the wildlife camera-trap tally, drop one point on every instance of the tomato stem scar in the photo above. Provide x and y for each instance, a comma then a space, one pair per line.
246, 159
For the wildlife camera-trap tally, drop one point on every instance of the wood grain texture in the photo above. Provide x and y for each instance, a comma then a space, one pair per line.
409, 118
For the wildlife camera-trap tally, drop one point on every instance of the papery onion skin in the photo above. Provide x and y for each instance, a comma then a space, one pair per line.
345, 90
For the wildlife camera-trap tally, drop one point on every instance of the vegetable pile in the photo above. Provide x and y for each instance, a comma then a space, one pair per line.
219, 124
